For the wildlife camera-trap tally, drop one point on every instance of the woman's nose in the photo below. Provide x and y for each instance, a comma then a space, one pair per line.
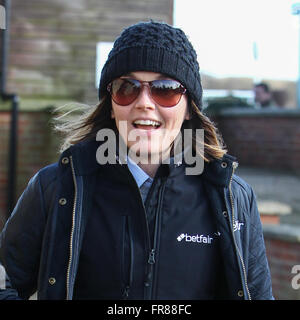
144, 99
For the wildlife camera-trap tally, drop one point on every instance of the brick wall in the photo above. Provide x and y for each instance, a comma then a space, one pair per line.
37, 147
283, 252
53, 43
262, 138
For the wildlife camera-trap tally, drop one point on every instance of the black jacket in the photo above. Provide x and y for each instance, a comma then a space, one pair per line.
42, 240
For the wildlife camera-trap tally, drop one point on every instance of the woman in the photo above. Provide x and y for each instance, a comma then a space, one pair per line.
139, 225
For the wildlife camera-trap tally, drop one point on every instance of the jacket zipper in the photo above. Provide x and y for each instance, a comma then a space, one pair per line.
127, 229
152, 254
72, 229
234, 166
152, 251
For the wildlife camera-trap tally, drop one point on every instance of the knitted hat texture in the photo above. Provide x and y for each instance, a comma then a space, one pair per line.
157, 47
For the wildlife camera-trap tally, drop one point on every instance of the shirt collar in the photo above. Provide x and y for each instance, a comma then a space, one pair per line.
138, 173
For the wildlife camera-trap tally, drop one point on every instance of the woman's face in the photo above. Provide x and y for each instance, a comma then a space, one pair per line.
149, 138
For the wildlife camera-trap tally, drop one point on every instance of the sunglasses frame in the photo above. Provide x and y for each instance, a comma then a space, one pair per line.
148, 84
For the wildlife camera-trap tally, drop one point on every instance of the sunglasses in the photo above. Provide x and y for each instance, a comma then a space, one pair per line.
165, 92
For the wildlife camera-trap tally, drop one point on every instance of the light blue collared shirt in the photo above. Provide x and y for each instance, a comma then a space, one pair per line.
142, 179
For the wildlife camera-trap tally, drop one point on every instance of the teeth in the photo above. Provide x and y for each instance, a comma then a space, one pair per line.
147, 123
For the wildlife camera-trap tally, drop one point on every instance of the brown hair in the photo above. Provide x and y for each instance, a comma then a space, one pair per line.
86, 126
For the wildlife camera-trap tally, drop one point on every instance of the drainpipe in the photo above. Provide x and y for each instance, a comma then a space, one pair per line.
12, 152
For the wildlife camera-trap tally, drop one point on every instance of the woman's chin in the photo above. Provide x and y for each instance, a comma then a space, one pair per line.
149, 155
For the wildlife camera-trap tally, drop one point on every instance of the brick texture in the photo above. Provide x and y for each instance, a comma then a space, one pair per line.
37, 147
282, 256
266, 142
53, 43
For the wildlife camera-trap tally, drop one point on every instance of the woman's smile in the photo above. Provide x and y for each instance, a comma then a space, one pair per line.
146, 124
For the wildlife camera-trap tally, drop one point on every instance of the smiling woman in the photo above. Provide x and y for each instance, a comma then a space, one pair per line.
156, 125
88, 229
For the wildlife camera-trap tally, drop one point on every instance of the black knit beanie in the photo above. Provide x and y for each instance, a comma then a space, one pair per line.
157, 47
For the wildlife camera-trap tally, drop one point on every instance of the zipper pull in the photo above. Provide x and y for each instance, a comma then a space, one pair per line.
151, 259
235, 165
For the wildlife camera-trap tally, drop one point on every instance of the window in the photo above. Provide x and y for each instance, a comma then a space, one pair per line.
103, 49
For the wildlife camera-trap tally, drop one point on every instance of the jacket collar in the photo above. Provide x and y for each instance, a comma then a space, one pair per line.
220, 171
217, 172
83, 156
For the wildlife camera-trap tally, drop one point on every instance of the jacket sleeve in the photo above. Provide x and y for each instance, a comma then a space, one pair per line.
20, 243
259, 278
6, 290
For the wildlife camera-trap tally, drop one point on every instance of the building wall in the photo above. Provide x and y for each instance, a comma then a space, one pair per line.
37, 147
283, 252
262, 138
53, 43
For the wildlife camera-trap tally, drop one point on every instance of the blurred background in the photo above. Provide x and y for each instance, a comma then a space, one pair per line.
52, 52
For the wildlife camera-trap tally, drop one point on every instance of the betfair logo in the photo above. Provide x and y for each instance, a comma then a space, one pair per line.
237, 225
197, 238
2, 18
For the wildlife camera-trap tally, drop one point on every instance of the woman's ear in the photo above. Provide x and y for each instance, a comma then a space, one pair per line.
112, 114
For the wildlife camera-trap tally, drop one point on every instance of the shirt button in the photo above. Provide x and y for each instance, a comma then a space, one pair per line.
52, 280
62, 201
240, 293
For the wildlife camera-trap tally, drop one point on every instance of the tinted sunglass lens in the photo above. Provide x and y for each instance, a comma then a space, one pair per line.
124, 91
166, 93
